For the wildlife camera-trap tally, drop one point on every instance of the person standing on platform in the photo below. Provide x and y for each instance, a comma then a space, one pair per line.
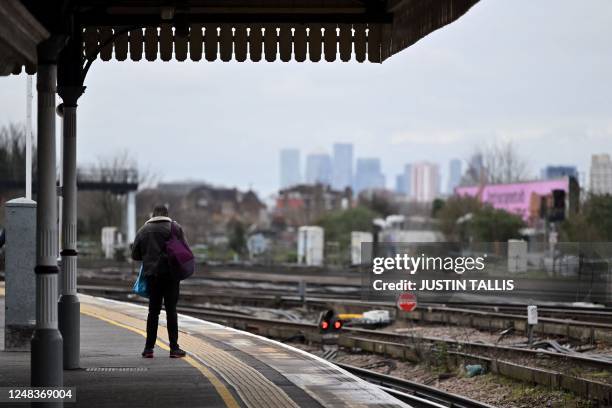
149, 247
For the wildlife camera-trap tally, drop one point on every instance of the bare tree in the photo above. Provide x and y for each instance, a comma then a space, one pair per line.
498, 162
12, 153
12, 163
147, 178
104, 208
119, 167
122, 166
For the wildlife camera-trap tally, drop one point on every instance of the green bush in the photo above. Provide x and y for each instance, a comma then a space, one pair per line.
338, 225
494, 225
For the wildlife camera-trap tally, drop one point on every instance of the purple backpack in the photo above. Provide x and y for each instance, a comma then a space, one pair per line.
180, 257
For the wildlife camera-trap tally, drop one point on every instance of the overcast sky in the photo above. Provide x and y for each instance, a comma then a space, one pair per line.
536, 72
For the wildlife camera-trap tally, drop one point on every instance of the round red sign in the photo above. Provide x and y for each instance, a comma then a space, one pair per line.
407, 302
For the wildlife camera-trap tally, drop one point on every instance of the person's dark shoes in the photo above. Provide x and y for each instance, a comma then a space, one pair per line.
147, 353
177, 353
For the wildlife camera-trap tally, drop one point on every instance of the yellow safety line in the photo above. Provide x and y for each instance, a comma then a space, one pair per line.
2, 290
222, 390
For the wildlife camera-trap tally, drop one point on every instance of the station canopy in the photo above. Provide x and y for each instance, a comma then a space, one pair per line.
20, 32
245, 30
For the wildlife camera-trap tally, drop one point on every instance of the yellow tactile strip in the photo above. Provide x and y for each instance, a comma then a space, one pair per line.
254, 388
324, 383
222, 390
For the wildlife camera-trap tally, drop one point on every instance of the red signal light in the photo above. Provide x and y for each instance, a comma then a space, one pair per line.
324, 325
337, 325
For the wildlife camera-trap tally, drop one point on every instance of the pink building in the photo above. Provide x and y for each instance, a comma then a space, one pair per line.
524, 198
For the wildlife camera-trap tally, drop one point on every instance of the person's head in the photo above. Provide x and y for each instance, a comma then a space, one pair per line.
160, 211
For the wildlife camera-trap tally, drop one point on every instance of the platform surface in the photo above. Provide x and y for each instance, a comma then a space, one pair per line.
225, 367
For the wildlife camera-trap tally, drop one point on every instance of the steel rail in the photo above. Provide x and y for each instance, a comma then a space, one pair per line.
324, 300
433, 397
227, 317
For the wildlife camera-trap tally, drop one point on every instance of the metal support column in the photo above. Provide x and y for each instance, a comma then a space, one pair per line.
46, 358
69, 306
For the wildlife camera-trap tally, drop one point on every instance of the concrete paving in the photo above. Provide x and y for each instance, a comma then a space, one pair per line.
114, 375
264, 373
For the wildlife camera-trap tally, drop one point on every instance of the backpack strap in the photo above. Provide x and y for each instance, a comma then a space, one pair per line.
172, 230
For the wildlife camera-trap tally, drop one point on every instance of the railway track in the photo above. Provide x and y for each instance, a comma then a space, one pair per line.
398, 346
382, 336
235, 318
577, 313
316, 295
498, 359
481, 316
512, 362
519, 363
413, 393
345, 285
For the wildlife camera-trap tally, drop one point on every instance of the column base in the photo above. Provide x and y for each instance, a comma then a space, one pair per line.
46, 363
69, 323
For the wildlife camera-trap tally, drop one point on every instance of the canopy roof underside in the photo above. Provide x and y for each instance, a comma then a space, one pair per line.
19, 34
262, 30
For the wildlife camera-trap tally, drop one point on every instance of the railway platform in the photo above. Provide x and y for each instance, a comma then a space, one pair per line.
224, 367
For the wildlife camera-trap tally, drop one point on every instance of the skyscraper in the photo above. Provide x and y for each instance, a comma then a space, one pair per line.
400, 184
601, 174
368, 175
454, 175
425, 181
289, 168
475, 172
342, 175
404, 181
554, 172
318, 168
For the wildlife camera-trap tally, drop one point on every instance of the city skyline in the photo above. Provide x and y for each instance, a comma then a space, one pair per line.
341, 169
420, 180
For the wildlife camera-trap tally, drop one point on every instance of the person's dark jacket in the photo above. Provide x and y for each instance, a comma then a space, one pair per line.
149, 245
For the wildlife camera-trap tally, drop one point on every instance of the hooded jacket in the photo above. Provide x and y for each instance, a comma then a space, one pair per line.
149, 245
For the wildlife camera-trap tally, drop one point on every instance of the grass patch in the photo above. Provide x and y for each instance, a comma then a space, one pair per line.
521, 393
